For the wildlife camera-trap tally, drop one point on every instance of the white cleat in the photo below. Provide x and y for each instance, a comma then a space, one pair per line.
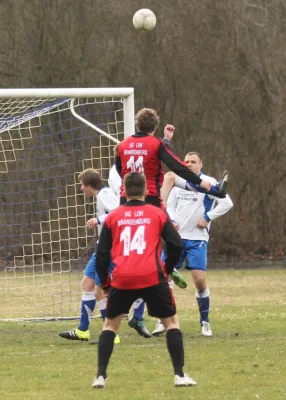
184, 381
99, 383
206, 329
158, 329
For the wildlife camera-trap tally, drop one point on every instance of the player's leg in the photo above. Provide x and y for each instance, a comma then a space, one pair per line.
119, 303
168, 183
160, 303
178, 279
102, 300
197, 261
136, 322
218, 190
88, 303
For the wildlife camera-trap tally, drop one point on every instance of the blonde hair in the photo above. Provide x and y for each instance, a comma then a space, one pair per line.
147, 120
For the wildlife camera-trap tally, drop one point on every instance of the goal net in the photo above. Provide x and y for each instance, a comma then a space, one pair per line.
47, 137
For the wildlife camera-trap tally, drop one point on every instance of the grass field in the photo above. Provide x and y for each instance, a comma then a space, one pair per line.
245, 358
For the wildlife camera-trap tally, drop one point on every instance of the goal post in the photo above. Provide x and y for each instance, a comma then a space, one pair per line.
47, 137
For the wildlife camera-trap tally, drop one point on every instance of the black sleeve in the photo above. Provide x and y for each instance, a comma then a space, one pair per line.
173, 245
103, 256
176, 165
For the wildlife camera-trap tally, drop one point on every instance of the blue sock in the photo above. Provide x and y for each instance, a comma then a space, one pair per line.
139, 309
102, 308
203, 299
213, 190
87, 307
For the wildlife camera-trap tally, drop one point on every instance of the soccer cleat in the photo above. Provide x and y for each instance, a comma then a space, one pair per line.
206, 329
178, 279
159, 328
117, 339
182, 381
99, 382
139, 327
75, 334
222, 184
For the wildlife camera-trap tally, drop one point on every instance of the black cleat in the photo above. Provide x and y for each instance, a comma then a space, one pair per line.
139, 327
222, 185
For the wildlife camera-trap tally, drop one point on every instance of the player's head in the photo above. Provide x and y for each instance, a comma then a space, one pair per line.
194, 162
147, 120
90, 182
135, 186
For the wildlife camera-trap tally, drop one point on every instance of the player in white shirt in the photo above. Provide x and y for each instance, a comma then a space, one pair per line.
106, 201
192, 213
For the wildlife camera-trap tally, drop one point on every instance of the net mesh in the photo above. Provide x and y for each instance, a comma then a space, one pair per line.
44, 241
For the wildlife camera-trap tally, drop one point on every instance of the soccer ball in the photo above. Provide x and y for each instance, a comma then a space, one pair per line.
144, 20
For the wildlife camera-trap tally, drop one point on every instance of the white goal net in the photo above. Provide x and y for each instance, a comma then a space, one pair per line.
47, 137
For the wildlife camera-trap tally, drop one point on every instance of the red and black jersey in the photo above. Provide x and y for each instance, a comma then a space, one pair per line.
144, 153
131, 237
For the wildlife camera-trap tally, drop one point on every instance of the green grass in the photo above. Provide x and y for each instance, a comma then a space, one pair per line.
245, 359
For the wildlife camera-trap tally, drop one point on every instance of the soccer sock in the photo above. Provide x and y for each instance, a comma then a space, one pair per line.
87, 307
214, 190
175, 346
203, 299
138, 309
105, 348
102, 308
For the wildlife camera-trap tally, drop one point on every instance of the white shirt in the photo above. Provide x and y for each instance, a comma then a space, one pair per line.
114, 180
187, 207
106, 201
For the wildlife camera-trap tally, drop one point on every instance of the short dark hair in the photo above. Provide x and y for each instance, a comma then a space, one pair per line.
134, 184
194, 153
91, 177
147, 120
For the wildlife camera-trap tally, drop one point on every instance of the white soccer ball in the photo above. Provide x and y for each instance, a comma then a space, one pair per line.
144, 20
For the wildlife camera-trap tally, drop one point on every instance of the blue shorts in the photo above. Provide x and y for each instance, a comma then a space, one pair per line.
195, 251
90, 269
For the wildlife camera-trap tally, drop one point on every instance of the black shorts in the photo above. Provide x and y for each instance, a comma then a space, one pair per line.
153, 200
159, 299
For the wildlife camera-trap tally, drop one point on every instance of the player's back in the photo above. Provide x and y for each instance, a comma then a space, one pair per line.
136, 229
140, 153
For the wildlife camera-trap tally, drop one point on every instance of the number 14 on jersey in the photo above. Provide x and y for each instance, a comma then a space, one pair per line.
136, 243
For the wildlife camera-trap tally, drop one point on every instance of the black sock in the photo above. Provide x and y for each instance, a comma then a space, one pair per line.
105, 348
176, 349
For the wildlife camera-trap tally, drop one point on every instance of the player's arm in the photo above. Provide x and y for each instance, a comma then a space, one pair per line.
176, 165
222, 207
103, 255
168, 135
108, 201
173, 245
114, 180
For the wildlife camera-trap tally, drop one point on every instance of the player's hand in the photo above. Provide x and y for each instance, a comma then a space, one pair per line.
206, 185
176, 226
92, 223
105, 292
202, 223
169, 132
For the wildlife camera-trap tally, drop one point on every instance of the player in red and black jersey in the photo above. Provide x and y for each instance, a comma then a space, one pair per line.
145, 153
132, 236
